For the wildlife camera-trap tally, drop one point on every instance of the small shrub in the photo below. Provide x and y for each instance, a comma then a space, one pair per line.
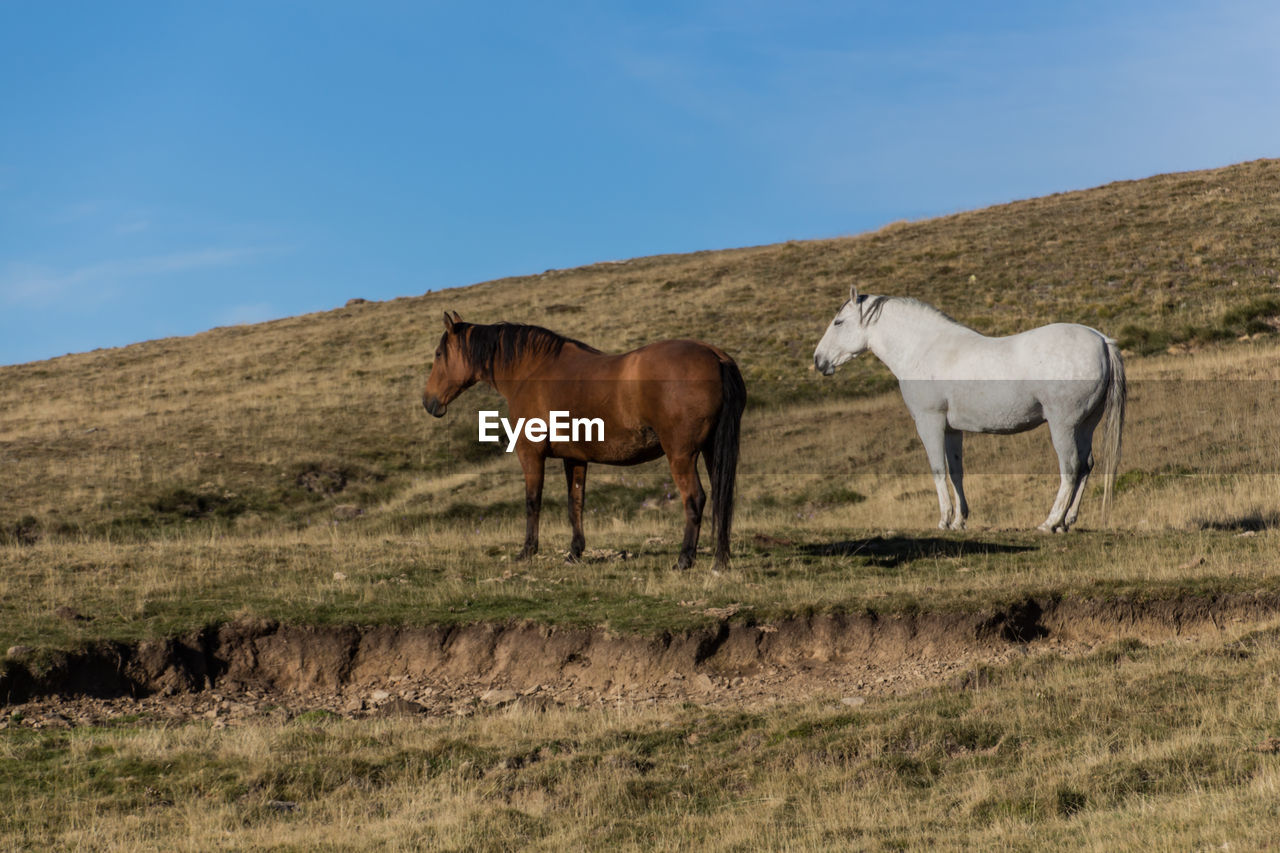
184, 503
1070, 801
24, 531
1143, 340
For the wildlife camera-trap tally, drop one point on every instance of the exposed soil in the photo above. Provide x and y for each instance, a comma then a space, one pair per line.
242, 670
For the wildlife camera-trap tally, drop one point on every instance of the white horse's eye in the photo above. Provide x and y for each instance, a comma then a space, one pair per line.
837, 322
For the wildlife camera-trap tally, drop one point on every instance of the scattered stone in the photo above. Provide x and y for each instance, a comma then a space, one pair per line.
19, 651
322, 481
703, 682
379, 696
282, 805
853, 701
339, 576
537, 703
1270, 746
595, 555
498, 697
401, 708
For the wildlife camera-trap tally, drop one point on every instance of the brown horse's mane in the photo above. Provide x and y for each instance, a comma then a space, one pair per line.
501, 344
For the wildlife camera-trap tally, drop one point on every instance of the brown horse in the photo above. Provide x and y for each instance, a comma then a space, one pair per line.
681, 398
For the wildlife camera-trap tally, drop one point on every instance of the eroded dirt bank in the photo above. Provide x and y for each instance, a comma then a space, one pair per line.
248, 667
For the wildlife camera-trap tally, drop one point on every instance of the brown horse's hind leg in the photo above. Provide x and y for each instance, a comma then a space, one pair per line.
575, 476
534, 466
684, 471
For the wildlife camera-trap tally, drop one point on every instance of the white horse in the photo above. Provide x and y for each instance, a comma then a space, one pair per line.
956, 380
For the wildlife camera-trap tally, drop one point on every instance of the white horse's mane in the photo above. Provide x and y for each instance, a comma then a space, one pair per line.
870, 312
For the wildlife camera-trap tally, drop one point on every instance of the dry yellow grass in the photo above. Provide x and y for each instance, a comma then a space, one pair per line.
1200, 469
1130, 747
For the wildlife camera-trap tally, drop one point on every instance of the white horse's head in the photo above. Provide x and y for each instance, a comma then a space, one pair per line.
846, 337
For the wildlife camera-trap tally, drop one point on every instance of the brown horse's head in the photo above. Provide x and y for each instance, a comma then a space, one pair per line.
452, 371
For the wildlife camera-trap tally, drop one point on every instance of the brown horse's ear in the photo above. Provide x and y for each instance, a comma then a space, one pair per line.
448, 322
457, 318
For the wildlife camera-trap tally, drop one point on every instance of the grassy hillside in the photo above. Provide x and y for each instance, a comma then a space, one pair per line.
234, 472
280, 422
287, 471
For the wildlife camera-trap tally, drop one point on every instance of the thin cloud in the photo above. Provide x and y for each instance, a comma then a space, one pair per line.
36, 285
134, 226
239, 315
79, 211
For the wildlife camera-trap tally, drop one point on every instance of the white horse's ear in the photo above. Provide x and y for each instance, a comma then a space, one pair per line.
853, 300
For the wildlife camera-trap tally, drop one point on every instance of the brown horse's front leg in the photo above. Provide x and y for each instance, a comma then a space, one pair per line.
534, 465
575, 476
684, 471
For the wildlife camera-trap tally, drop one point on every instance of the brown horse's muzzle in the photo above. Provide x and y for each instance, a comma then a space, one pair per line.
434, 406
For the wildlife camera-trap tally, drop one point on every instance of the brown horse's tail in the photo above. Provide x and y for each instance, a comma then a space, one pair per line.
722, 462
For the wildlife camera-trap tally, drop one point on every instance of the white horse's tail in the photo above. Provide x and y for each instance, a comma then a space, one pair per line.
1116, 394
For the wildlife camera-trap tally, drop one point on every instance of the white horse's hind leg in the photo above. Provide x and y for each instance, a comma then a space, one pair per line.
1067, 447
1084, 449
954, 441
932, 426
1073, 512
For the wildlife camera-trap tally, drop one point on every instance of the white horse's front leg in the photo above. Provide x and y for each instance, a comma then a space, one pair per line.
932, 429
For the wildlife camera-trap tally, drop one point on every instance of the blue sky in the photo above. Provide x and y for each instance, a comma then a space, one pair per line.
167, 167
